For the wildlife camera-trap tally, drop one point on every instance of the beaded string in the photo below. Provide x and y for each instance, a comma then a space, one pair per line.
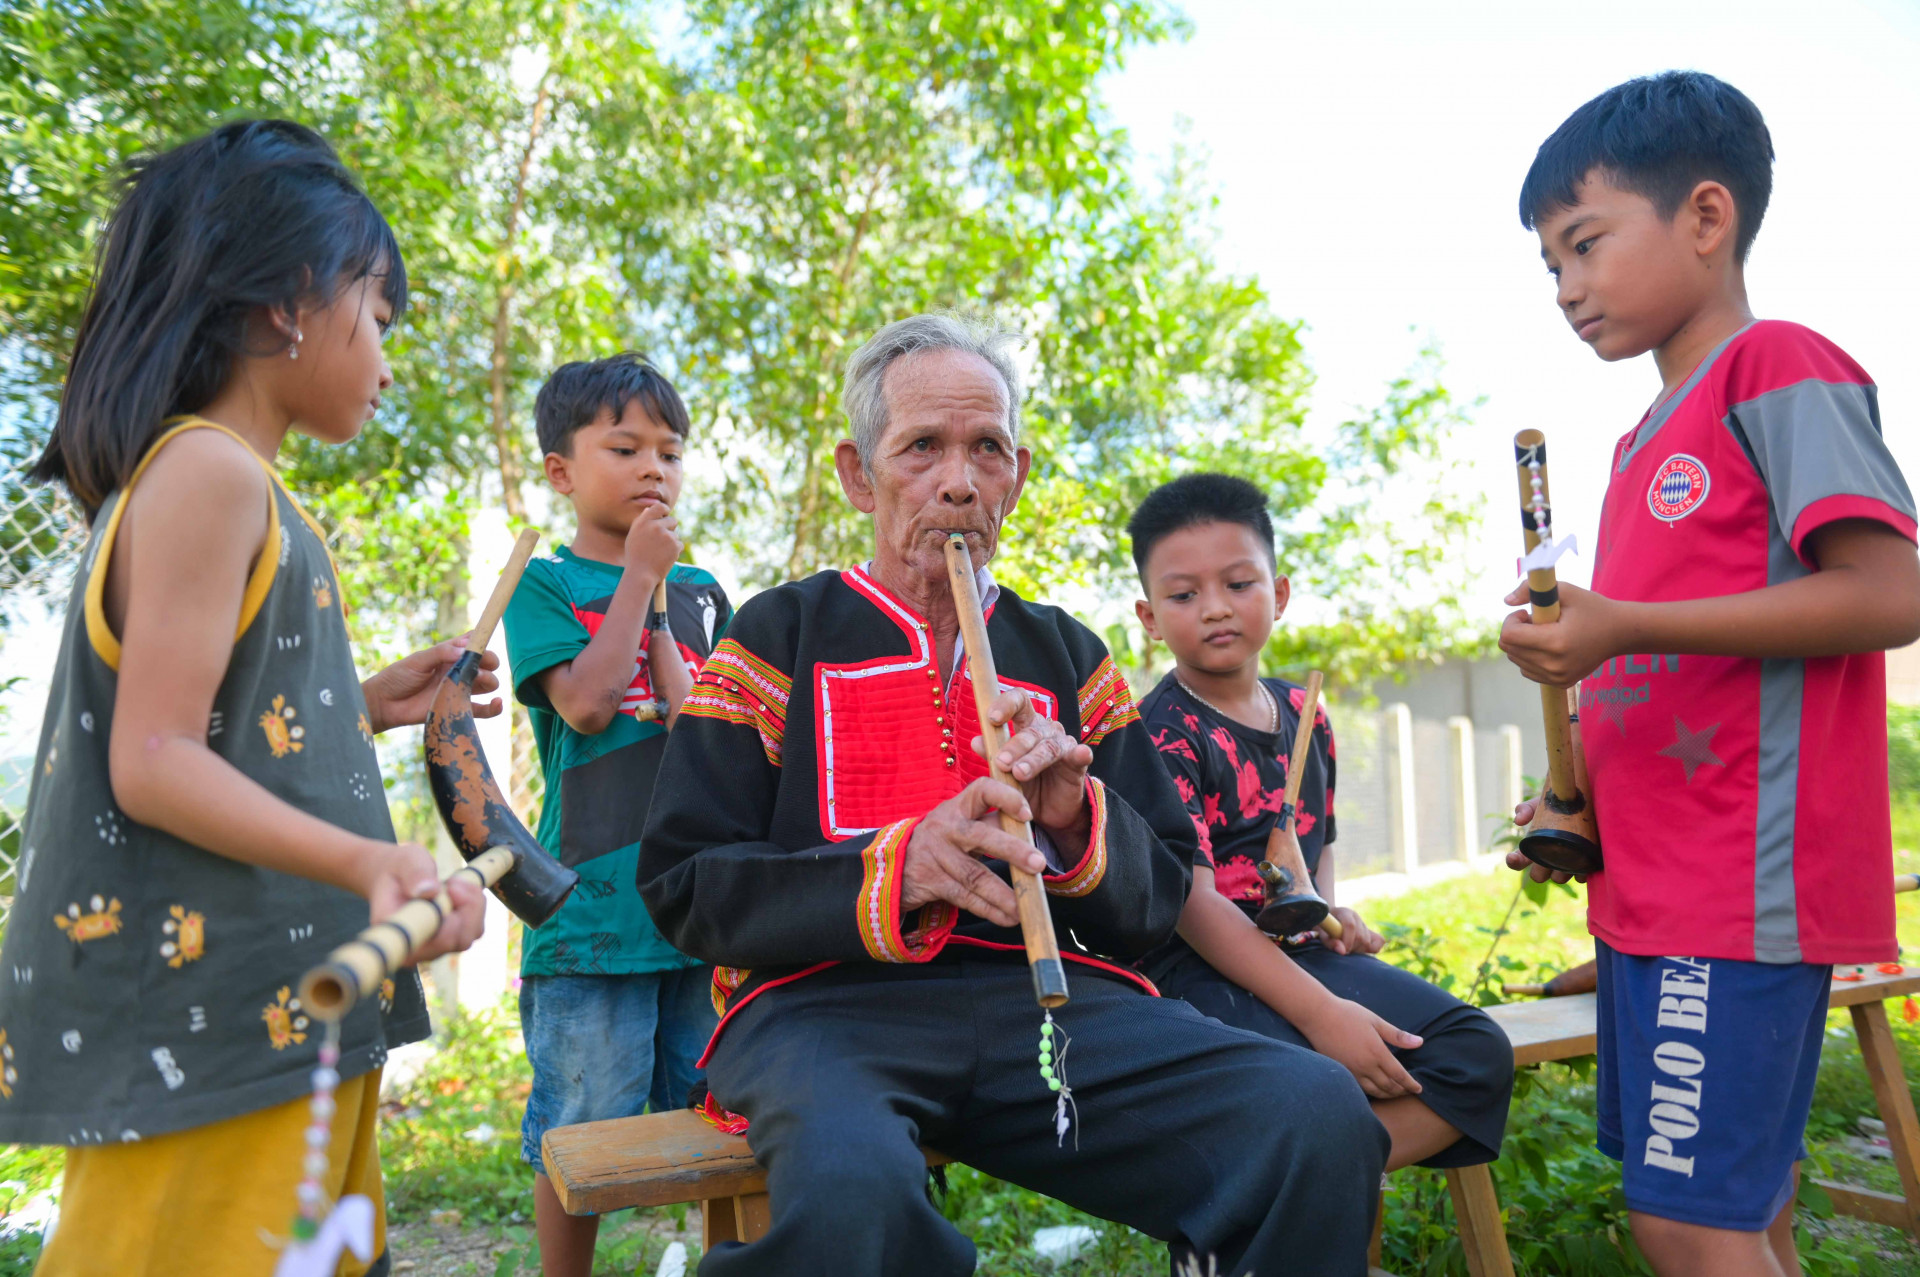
1053, 1071
1545, 554
312, 1193
322, 1229
1539, 502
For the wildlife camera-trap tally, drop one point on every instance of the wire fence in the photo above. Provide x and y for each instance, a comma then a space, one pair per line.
41, 537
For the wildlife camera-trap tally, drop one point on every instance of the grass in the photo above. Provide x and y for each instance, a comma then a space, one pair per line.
450, 1138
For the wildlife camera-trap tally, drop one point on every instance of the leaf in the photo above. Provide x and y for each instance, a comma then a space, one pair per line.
1815, 1198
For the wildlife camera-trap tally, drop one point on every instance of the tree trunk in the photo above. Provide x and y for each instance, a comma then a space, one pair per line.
512, 471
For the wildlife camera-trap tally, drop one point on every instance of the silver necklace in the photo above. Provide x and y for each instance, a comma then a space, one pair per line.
1273, 706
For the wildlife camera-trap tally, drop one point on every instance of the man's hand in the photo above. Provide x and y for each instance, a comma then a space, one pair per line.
653, 543
1563, 652
1358, 1039
1355, 935
942, 859
401, 694
403, 872
1516, 859
1049, 766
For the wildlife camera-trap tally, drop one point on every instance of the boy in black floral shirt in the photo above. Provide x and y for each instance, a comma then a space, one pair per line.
1439, 1073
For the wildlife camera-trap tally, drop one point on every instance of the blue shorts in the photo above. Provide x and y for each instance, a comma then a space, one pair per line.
611, 1046
1705, 1081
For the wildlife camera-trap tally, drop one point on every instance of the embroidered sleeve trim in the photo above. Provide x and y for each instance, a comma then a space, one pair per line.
1106, 704
748, 668
879, 903
726, 982
1086, 875
735, 686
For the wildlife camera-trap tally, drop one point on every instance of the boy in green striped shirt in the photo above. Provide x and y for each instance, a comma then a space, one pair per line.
613, 1016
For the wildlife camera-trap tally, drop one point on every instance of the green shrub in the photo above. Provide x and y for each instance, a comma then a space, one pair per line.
1903, 752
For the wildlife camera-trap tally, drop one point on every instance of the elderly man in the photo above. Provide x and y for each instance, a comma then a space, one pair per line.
824, 831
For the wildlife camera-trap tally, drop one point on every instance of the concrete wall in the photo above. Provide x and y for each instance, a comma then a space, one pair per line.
1903, 676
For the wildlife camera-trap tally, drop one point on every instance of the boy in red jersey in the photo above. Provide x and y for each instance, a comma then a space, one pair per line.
1756, 557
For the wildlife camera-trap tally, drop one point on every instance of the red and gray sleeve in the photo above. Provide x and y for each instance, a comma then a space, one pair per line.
1815, 440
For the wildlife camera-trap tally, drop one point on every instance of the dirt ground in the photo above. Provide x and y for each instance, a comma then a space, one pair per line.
445, 1248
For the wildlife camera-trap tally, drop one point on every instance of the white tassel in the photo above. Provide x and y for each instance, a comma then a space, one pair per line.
1548, 553
348, 1226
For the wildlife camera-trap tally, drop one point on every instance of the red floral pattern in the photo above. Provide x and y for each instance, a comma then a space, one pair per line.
1233, 781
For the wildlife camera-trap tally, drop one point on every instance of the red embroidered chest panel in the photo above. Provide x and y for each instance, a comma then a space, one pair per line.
891, 741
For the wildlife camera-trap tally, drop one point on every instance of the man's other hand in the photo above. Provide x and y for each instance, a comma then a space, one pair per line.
945, 857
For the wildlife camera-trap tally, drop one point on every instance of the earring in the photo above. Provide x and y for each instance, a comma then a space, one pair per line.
293, 351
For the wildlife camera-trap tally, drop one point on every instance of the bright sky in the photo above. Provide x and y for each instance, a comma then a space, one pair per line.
1368, 157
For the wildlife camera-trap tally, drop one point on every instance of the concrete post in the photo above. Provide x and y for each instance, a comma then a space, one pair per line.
1513, 782
1402, 829
1466, 796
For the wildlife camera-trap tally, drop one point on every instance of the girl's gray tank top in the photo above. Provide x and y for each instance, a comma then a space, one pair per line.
147, 985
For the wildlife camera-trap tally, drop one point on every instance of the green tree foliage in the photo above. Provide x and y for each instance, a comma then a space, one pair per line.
746, 201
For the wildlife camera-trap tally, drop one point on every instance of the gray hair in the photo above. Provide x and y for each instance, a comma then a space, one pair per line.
864, 396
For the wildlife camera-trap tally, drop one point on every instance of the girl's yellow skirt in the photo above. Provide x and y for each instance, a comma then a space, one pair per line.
211, 1201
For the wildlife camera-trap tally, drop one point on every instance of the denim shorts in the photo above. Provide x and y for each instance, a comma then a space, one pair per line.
1705, 1081
607, 1046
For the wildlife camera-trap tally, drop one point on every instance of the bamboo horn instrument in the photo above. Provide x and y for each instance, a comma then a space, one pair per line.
475, 812
1036, 920
1292, 904
1563, 834
357, 967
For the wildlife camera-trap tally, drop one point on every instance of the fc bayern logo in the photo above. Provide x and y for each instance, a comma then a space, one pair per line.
1678, 488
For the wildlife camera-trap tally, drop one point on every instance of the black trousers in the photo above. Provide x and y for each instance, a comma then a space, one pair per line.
1263, 1155
1464, 1066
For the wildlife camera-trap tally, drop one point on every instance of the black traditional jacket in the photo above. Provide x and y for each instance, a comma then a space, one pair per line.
817, 736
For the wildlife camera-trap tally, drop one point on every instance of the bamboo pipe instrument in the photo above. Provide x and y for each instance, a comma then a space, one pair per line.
1563, 834
1292, 903
1584, 978
475, 812
357, 967
1036, 920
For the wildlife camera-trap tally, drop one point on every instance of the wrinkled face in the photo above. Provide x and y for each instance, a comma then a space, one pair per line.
1212, 596
334, 386
946, 462
1627, 278
615, 469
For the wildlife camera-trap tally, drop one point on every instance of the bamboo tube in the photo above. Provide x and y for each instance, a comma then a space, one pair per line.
1563, 834
1036, 920
482, 632
1544, 585
357, 967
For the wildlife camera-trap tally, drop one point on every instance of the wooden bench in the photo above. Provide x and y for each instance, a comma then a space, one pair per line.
667, 1158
